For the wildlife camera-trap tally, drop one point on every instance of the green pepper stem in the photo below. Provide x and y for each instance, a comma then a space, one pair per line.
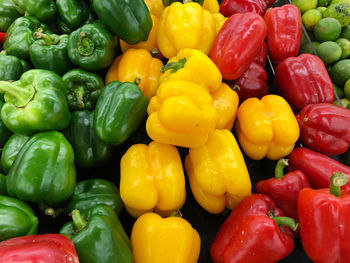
279, 167
19, 96
3, 52
154, 52
85, 45
337, 180
176, 213
286, 221
47, 39
236, 87
174, 66
79, 96
78, 221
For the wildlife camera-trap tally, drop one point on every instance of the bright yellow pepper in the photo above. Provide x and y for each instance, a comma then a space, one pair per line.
139, 65
211, 5
219, 21
181, 114
194, 66
155, 7
164, 240
152, 179
217, 173
266, 127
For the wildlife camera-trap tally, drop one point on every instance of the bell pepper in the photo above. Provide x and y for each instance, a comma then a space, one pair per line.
120, 110
317, 167
152, 179
269, 3
262, 56
170, 2
11, 150
43, 170
50, 52
3, 190
324, 128
100, 239
17, 219
232, 59
91, 47
255, 231
2, 37
323, 220
181, 114
266, 127
284, 189
84, 88
283, 32
217, 173
8, 14
211, 5
19, 36
304, 80
172, 240
231, 7
5, 133
44, 10
155, 7
36, 102
32, 248
137, 65
194, 66
130, 21
11, 67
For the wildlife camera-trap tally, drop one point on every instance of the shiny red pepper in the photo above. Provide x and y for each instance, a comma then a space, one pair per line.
317, 167
237, 44
254, 232
303, 80
283, 32
38, 248
2, 37
230, 7
324, 222
262, 55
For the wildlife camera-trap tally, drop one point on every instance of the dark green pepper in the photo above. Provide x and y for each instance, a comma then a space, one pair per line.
43, 170
62, 27
92, 47
11, 150
120, 110
36, 102
44, 10
16, 218
11, 67
5, 133
84, 88
101, 239
3, 190
8, 14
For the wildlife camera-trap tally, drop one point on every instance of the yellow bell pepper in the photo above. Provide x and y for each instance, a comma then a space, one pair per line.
152, 179
155, 7
137, 65
217, 173
181, 114
164, 240
211, 5
219, 21
266, 127
194, 66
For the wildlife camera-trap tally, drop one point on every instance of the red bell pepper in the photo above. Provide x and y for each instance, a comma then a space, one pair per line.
284, 29
262, 55
284, 190
304, 80
317, 167
230, 7
38, 248
2, 37
324, 222
325, 128
237, 44
254, 232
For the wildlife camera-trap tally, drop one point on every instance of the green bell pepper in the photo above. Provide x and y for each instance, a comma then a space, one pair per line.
120, 110
11, 67
16, 218
101, 239
43, 170
19, 36
37, 102
8, 14
3, 190
11, 150
129, 20
5, 133
74, 13
44, 10
92, 47
84, 88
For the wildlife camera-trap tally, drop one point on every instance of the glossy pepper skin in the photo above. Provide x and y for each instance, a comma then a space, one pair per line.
11, 150
8, 14
102, 230
253, 233
119, 111
299, 90
84, 88
137, 65
233, 59
36, 102
284, 29
266, 127
43, 170
2, 37
130, 21
262, 56
11, 67
170, 2
217, 173
181, 114
5, 133
230, 7
155, 240
152, 179
44, 10
3, 190
32, 248
91, 47
155, 7
324, 128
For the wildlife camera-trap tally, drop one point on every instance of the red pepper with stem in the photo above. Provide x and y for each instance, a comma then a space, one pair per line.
230, 7
2, 37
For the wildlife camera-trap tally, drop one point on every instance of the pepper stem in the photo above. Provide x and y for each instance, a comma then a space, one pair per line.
78, 221
279, 167
176, 213
174, 66
79, 96
236, 87
284, 221
47, 39
338, 179
137, 81
3, 52
85, 45
19, 96
154, 52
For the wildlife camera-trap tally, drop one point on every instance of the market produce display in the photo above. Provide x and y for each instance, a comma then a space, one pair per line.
176, 131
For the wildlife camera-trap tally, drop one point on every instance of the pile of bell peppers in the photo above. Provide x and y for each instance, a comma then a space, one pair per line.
178, 99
